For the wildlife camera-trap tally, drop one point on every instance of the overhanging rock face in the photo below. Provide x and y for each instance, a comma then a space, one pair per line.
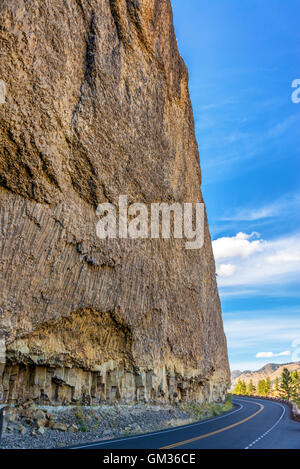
95, 104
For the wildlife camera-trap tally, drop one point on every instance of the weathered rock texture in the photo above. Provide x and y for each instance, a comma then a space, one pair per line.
97, 105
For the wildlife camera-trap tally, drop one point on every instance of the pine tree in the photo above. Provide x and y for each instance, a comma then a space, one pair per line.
276, 385
243, 388
268, 386
286, 384
250, 388
259, 387
237, 388
295, 386
262, 387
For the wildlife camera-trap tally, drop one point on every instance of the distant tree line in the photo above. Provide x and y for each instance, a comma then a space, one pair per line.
286, 387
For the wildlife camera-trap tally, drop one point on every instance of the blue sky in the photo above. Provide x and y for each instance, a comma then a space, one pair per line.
242, 59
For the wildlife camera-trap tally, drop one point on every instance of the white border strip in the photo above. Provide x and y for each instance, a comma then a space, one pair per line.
270, 429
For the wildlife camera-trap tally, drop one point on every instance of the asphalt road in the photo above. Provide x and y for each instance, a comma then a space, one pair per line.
254, 423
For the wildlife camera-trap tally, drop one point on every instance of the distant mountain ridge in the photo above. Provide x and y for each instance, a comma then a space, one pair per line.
273, 370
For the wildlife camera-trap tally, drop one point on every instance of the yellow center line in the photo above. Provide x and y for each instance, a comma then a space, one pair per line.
180, 443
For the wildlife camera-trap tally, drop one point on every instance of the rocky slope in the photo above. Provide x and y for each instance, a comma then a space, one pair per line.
30, 426
273, 370
97, 105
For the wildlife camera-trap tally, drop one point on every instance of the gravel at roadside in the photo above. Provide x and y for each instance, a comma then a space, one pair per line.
31, 426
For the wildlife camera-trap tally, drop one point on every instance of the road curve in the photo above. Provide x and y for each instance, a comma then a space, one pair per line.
253, 423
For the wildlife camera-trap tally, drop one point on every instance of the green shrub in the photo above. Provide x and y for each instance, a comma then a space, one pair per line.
82, 425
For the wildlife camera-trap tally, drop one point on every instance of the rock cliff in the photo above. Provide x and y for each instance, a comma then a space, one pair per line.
96, 105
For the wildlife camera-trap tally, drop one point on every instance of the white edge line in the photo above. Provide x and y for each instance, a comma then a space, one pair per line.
270, 429
156, 433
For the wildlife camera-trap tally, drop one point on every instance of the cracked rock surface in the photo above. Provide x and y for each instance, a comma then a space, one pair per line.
96, 106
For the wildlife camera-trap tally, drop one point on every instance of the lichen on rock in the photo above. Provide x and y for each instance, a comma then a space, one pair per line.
98, 106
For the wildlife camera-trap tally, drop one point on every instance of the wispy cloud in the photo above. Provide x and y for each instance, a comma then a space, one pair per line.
215, 104
238, 134
262, 291
283, 205
245, 292
266, 330
272, 354
281, 127
243, 334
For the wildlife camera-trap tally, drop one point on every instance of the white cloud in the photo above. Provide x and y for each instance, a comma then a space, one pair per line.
271, 354
242, 260
226, 270
284, 256
239, 245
